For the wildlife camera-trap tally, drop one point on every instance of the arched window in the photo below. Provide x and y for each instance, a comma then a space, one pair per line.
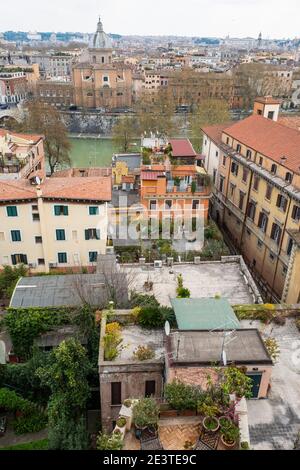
288, 177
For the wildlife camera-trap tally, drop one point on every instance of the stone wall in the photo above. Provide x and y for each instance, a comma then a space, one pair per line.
86, 122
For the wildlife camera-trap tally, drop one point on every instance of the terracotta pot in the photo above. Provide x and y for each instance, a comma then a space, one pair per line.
208, 429
225, 418
227, 444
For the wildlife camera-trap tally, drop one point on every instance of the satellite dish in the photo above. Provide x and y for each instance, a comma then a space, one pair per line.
167, 328
224, 358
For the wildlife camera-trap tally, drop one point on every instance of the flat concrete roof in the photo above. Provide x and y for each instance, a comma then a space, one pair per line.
134, 336
204, 314
204, 280
193, 348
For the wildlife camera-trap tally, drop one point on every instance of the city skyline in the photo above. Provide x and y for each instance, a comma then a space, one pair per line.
159, 19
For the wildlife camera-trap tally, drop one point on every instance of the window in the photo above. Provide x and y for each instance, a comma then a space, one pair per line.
62, 258
238, 148
276, 233
35, 217
296, 213
259, 244
259, 112
241, 201
234, 168
256, 183
224, 160
168, 204
60, 234
261, 160
281, 202
274, 169
232, 188
272, 256
41, 261
269, 192
105, 79
217, 153
221, 183
270, 114
289, 246
214, 175
263, 222
35, 208
18, 259
227, 140
38, 239
61, 210
251, 210
116, 395
248, 232
195, 204
153, 205
12, 211
94, 210
245, 175
15, 235
93, 255
92, 234
288, 177
149, 388
249, 154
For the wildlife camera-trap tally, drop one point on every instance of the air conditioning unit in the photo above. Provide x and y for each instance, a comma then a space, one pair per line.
52, 265
170, 262
142, 260
197, 260
158, 264
115, 187
110, 250
32, 265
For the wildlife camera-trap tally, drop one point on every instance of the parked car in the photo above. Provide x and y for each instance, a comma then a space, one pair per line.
73, 107
3, 106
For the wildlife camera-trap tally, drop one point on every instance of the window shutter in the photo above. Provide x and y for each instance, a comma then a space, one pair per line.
13, 259
66, 210
56, 210
284, 204
98, 234
278, 200
87, 234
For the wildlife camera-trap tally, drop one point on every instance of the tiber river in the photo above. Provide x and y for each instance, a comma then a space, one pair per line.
94, 152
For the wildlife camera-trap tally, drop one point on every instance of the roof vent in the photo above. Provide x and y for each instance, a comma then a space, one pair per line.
283, 160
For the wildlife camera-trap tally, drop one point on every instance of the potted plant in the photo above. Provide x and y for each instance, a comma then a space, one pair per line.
210, 421
127, 403
244, 445
121, 422
229, 435
145, 413
224, 421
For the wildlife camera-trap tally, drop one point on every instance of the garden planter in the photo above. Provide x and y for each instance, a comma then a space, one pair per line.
230, 445
168, 414
210, 424
224, 421
187, 413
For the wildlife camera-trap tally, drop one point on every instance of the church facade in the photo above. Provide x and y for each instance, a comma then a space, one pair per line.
98, 81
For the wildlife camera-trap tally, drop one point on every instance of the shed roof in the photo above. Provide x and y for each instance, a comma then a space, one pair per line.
204, 314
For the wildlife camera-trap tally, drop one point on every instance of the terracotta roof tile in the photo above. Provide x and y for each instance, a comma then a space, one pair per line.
215, 132
269, 138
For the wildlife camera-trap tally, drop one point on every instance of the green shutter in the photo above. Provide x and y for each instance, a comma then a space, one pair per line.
98, 234
66, 210
12, 211
57, 210
87, 234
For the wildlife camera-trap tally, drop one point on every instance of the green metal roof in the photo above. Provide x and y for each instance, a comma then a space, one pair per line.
204, 314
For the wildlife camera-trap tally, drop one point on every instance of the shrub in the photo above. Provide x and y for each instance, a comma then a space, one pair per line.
143, 353
181, 396
230, 433
143, 300
121, 422
209, 410
298, 323
112, 347
113, 328
109, 442
236, 381
127, 403
179, 280
145, 413
272, 347
183, 293
135, 312
245, 445
28, 424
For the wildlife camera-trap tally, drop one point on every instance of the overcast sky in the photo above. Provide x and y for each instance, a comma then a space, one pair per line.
237, 18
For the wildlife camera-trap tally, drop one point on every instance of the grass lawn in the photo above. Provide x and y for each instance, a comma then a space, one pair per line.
35, 445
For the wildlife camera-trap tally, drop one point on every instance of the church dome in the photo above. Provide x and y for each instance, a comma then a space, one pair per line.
101, 40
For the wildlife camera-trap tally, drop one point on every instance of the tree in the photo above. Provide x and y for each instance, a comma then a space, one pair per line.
155, 113
45, 119
8, 280
123, 132
66, 375
209, 112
